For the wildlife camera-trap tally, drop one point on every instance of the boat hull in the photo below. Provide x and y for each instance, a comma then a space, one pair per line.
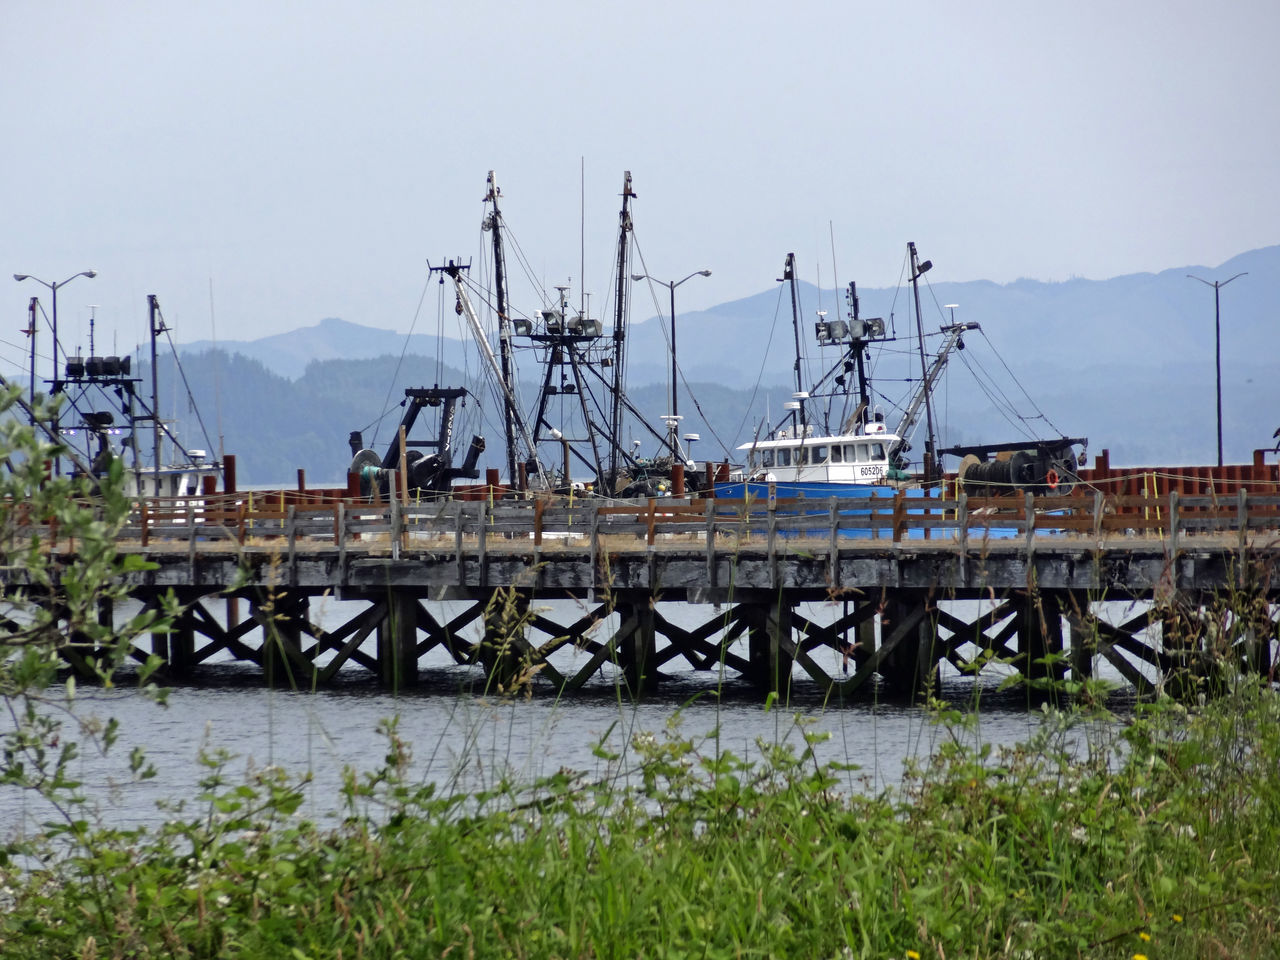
800, 489
821, 494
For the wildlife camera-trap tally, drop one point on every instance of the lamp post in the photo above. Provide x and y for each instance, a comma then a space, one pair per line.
53, 289
671, 286
1217, 342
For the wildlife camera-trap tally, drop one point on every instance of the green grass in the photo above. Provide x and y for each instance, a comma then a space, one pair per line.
1158, 836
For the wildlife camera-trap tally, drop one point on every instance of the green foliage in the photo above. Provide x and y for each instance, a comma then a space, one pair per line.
1155, 837
61, 569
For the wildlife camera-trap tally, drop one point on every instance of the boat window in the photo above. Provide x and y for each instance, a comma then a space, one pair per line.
848, 453
877, 451
766, 458
862, 453
802, 456
784, 457
820, 454
836, 450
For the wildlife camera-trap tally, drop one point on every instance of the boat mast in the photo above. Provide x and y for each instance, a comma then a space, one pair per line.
32, 307
493, 223
619, 332
918, 270
789, 275
864, 391
156, 325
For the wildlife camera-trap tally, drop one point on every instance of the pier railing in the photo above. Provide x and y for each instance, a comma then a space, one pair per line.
551, 522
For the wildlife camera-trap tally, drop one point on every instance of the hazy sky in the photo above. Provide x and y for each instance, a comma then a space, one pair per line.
305, 159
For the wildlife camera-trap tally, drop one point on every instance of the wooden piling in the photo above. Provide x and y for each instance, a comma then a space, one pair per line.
397, 642
637, 644
770, 645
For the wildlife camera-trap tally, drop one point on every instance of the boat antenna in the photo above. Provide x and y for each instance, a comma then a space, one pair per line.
918, 270
582, 234
217, 390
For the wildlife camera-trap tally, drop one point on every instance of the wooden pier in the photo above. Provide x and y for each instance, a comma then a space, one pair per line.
829, 593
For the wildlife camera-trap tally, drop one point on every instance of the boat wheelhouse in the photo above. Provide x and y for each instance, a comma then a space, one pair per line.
861, 458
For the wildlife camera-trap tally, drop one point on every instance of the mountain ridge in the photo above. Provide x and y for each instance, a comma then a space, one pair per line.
1162, 309
1128, 362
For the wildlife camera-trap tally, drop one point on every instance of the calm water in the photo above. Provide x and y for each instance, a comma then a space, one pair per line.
473, 740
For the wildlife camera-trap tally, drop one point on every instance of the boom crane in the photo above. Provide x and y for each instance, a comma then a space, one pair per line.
921, 398
454, 270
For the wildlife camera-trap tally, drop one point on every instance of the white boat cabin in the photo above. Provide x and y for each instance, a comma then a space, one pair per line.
175, 481
844, 458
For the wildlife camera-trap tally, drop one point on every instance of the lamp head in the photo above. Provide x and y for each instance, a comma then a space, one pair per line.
705, 273
88, 273
21, 276
637, 277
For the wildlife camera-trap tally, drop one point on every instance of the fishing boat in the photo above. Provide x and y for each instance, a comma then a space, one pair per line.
847, 464
570, 438
864, 457
106, 418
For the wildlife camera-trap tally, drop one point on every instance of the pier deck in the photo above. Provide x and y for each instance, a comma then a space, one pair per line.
886, 575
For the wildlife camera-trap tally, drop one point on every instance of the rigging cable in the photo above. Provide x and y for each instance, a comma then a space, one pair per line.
191, 400
1040, 414
998, 400
386, 403
755, 390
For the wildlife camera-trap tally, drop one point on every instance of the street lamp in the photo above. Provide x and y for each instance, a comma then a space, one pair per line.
671, 285
53, 289
1217, 342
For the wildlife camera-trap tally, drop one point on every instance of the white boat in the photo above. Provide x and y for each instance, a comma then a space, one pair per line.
175, 480
865, 456
855, 464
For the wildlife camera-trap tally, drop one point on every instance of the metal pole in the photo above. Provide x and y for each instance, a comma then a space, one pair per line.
53, 390
1217, 343
55, 383
674, 401
1217, 360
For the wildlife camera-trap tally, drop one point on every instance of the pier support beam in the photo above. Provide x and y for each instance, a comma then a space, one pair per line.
398, 642
1040, 641
281, 616
864, 638
770, 644
504, 650
637, 644
177, 647
909, 666
1082, 637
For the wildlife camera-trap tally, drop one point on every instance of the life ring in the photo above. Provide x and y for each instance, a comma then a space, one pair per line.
1052, 479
